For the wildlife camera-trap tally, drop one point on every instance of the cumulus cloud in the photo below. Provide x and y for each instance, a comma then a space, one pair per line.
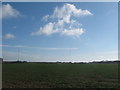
8, 11
67, 10
73, 32
9, 36
48, 29
64, 21
46, 17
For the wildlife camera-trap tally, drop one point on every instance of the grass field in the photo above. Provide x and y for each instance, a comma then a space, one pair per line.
39, 75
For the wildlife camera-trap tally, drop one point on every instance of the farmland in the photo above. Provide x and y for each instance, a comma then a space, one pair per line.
41, 75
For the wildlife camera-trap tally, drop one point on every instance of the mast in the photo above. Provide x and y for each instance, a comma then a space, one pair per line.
18, 54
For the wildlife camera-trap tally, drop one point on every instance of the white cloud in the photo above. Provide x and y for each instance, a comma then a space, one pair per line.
67, 10
48, 29
45, 17
9, 12
9, 36
73, 32
62, 21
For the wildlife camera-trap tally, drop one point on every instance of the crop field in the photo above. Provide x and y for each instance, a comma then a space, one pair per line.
41, 75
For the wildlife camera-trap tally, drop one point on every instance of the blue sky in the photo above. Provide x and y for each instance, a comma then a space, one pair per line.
60, 31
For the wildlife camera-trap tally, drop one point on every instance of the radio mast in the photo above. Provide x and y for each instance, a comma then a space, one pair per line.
18, 54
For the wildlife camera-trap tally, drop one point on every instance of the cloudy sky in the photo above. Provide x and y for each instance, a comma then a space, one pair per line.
60, 31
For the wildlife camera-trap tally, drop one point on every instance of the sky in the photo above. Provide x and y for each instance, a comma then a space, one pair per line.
59, 31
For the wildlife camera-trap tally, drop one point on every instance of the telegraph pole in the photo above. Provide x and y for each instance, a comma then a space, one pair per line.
18, 53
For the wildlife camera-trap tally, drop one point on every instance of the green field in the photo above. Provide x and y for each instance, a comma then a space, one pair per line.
40, 75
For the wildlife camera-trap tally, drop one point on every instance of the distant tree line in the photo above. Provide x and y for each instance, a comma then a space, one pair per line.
117, 61
14, 61
93, 62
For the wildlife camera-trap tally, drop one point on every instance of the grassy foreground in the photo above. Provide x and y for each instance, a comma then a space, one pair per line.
39, 75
